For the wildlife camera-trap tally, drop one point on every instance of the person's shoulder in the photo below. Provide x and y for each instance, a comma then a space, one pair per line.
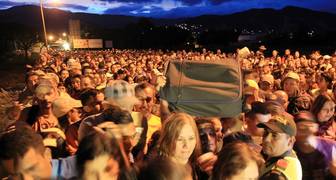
93, 119
325, 143
290, 166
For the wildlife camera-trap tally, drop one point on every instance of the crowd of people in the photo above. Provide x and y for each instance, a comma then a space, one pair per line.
98, 115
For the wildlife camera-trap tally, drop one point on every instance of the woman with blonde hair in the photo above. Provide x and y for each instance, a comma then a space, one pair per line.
180, 141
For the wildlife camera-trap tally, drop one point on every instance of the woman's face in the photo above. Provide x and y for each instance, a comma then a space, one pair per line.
76, 83
185, 144
326, 112
322, 83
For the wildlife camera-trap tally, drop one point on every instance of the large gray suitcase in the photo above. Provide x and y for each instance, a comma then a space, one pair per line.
204, 88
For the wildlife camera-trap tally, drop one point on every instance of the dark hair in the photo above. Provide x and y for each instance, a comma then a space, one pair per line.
101, 65
318, 103
49, 70
121, 71
328, 79
163, 169
201, 120
232, 159
334, 87
16, 142
117, 115
250, 115
29, 74
260, 108
237, 137
75, 76
86, 94
143, 86
95, 145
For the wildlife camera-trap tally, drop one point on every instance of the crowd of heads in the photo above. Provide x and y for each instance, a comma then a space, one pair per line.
98, 115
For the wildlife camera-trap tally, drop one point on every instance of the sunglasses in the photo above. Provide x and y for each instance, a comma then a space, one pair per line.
147, 99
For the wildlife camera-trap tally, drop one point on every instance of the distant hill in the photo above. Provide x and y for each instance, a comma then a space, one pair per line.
286, 19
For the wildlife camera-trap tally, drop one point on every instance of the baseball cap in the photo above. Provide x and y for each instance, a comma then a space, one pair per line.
120, 92
73, 64
280, 124
292, 75
44, 86
251, 83
62, 105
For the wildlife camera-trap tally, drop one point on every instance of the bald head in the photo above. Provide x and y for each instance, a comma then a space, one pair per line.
282, 98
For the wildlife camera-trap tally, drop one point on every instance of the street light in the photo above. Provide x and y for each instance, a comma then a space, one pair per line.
64, 34
51, 37
44, 26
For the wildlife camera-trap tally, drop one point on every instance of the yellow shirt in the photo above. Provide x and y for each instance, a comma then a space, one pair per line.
154, 123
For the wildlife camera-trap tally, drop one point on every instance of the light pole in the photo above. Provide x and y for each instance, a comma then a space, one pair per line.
44, 26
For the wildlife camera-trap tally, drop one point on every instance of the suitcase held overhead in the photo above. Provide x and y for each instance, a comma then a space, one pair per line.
204, 88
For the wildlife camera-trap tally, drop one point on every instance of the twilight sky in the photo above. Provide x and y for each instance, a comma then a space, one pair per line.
172, 8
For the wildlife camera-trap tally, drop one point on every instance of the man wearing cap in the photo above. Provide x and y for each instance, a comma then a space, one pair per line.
278, 141
291, 84
26, 96
40, 116
266, 82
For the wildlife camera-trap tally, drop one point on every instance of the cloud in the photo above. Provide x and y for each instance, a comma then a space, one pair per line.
75, 7
176, 8
130, 1
191, 2
124, 9
217, 2
5, 4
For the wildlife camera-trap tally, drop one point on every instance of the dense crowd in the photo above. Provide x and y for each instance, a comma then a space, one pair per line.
98, 115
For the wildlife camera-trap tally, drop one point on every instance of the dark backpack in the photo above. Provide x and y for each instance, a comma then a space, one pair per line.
204, 88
